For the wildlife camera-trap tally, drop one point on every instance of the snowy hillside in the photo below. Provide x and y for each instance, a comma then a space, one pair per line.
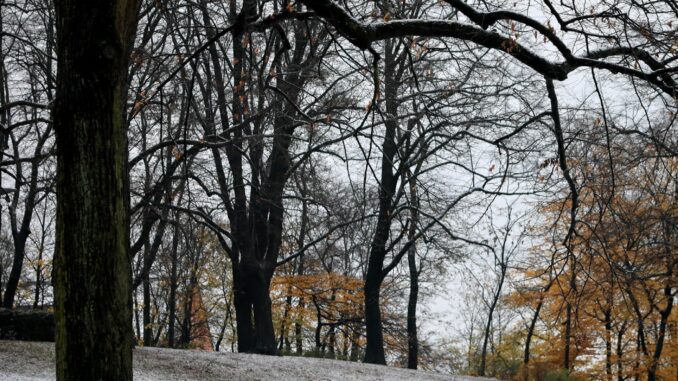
29, 361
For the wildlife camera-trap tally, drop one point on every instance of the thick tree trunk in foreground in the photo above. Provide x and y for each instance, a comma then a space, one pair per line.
92, 269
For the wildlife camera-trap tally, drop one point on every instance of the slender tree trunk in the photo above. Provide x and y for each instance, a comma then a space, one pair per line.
172, 299
38, 282
297, 333
530, 333
185, 338
318, 325
38, 271
608, 344
412, 340
137, 324
567, 356
488, 324
641, 345
567, 336
355, 347
15, 272
158, 332
470, 349
222, 331
661, 335
300, 260
620, 352
92, 271
636, 366
283, 322
146, 282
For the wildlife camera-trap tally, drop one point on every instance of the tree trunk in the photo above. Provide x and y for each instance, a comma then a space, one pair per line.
283, 323
567, 355
412, 340
38, 270
490, 315
301, 240
374, 352
661, 335
17, 265
137, 325
243, 311
264, 333
620, 352
91, 265
530, 332
172, 299
22, 229
148, 331
608, 344
355, 347
38, 282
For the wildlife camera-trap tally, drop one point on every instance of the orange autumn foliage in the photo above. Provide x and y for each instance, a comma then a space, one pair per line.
618, 276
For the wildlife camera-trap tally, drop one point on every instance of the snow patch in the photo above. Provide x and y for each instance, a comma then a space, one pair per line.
30, 361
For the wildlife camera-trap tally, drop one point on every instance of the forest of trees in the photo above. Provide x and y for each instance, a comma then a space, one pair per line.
309, 177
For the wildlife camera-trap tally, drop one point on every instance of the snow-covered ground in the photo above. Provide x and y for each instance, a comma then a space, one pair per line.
29, 361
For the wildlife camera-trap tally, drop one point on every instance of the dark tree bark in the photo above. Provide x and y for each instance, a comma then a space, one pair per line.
301, 241
243, 309
284, 339
256, 221
620, 352
146, 282
172, 299
374, 352
663, 323
502, 262
488, 324
530, 332
21, 227
39, 267
412, 339
91, 265
567, 357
